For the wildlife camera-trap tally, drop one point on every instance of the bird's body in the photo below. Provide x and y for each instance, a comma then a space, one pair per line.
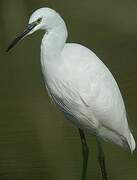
83, 88
81, 85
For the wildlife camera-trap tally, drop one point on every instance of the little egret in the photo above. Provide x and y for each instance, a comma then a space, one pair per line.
80, 85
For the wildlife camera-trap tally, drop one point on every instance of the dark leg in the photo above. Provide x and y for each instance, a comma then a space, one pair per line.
85, 153
101, 159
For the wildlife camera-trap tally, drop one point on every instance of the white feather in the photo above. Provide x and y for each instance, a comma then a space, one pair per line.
80, 84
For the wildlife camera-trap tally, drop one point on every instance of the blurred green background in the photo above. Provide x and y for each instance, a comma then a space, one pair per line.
35, 140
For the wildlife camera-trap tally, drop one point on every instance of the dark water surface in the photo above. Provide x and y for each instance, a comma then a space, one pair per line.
35, 140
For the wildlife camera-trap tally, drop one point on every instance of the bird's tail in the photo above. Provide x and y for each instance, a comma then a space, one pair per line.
131, 142
126, 141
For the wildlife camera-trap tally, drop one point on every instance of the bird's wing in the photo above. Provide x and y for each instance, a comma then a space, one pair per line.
95, 95
87, 93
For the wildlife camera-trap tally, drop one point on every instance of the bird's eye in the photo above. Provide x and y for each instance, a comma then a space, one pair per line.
39, 20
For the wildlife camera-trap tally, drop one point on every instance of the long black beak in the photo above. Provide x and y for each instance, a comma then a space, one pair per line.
21, 36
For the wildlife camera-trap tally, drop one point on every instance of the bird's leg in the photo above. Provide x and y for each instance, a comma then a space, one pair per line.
101, 159
85, 153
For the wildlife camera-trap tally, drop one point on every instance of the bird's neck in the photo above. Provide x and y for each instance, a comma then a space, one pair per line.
53, 42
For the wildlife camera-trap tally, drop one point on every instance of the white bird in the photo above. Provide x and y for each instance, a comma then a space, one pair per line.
81, 85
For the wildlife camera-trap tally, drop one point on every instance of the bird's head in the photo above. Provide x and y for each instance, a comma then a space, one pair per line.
43, 18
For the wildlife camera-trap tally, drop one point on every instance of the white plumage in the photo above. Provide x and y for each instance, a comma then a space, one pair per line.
80, 84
